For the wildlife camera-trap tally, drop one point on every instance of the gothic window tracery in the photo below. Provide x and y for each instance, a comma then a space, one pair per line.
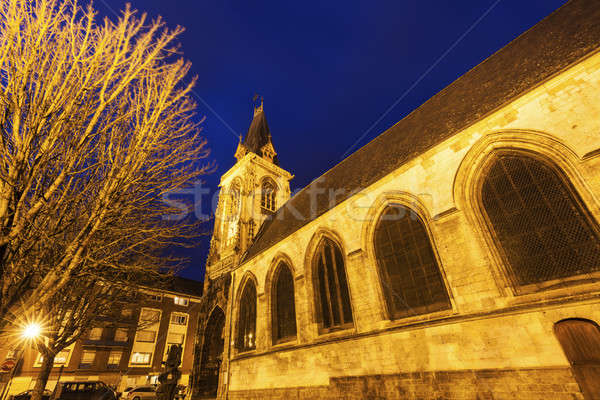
233, 214
409, 270
284, 307
246, 327
542, 227
267, 195
333, 297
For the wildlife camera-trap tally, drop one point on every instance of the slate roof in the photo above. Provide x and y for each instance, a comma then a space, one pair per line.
562, 38
258, 134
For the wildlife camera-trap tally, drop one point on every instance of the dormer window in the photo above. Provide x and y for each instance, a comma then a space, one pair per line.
267, 197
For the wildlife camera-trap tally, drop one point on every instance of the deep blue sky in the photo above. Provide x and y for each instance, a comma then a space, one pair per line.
328, 70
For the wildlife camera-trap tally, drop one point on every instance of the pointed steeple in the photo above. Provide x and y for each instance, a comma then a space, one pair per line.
258, 138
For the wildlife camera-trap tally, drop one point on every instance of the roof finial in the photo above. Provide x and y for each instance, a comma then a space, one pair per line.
258, 109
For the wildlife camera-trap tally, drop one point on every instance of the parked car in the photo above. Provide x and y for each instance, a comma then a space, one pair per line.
85, 390
140, 393
26, 395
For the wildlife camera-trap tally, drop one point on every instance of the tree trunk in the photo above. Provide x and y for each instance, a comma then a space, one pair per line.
42, 379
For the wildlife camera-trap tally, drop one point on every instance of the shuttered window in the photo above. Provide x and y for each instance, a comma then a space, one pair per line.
411, 278
246, 337
541, 225
284, 307
332, 287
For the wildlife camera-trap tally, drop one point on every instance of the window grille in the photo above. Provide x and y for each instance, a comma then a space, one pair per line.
246, 337
411, 278
334, 298
284, 310
541, 225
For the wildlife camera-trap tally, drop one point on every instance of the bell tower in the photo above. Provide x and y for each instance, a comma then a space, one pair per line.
250, 193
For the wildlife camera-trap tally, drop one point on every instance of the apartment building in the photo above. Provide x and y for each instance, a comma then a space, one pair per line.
128, 349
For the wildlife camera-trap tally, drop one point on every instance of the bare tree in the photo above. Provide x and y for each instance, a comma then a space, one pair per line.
96, 126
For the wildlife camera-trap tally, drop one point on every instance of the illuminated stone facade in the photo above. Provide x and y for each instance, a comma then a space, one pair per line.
482, 317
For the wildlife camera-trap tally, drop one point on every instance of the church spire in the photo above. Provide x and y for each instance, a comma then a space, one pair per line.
258, 138
259, 109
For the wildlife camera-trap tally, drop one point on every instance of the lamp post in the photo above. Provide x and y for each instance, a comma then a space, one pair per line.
31, 332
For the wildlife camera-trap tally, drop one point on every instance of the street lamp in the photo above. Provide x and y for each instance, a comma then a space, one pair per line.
31, 332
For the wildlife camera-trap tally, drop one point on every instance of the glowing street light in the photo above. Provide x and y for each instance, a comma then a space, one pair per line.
32, 331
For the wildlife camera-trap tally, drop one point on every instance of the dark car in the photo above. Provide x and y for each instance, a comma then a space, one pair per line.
27, 395
85, 390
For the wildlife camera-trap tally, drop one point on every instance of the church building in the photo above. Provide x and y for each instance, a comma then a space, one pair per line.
456, 255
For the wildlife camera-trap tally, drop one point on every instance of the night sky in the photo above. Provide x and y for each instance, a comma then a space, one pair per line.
333, 74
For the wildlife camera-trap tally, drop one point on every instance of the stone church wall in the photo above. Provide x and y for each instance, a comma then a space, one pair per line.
492, 343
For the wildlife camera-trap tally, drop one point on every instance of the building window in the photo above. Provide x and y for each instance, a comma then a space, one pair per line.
121, 335
181, 301
87, 359
251, 232
335, 311
149, 315
141, 358
114, 358
95, 334
155, 297
172, 340
542, 227
146, 336
284, 307
410, 274
60, 359
234, 201
267, 195
178, 319
246, 331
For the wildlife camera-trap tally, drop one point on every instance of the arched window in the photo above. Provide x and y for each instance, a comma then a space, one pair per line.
234, 201
284, 307
246, 334
333, 300
267, 195
410, 273
542, 227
